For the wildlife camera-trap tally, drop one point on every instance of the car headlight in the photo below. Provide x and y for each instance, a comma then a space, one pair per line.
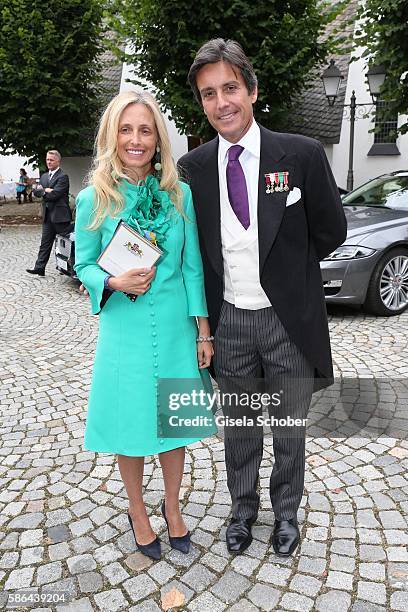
349, 252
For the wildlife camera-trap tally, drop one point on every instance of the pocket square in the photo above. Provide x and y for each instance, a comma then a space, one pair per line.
293, 196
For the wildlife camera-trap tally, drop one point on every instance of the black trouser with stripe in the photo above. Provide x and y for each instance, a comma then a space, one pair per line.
253, 345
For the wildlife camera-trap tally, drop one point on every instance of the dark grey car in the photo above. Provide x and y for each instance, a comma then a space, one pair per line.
371, 267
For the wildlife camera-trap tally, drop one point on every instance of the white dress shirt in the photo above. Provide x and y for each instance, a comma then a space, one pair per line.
240, 251
52, 172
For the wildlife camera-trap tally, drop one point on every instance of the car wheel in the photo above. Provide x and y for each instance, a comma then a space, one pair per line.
387, 293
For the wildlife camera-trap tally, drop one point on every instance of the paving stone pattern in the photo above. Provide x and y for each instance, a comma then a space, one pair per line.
63, 524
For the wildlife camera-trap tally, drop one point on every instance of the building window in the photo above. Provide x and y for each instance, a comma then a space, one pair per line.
385, 135
386, 124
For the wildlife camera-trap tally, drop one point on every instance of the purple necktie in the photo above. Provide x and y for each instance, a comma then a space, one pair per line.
236, 184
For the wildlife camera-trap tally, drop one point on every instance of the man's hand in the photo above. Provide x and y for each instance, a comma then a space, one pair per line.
38, 190
48, 190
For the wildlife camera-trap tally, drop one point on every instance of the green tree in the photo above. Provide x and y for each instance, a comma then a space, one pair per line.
284, 40
384, 35
49, 79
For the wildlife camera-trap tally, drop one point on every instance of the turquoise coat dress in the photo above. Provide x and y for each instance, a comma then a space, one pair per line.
143, 341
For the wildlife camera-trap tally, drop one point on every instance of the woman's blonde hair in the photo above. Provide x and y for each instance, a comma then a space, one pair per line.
107, 169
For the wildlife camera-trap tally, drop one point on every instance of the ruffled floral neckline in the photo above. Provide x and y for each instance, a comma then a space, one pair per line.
150, 208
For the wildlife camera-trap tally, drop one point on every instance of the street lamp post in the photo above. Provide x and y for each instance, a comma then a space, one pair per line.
331, 78
350, 175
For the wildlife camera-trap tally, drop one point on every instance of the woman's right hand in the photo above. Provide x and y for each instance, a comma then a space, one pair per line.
136, 281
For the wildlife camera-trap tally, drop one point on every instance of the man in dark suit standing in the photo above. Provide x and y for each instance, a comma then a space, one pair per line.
267, 211
57, 216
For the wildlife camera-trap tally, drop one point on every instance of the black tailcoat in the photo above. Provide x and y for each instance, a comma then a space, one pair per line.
291, 240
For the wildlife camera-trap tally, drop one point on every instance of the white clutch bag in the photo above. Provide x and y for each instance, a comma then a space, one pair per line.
126, 250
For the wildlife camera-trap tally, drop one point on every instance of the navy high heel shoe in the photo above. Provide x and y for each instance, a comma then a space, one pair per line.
152, 550
181, 543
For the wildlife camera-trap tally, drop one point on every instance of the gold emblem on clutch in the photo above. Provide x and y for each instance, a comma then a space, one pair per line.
134, 248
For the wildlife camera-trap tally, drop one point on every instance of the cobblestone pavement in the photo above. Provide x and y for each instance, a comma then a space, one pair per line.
63, 525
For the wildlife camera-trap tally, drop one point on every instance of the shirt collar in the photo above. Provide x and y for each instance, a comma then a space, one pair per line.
251, 142
52, 172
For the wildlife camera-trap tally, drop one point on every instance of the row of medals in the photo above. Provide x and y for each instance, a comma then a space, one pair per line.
273, 188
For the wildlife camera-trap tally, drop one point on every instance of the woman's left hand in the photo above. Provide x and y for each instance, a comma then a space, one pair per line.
205, 352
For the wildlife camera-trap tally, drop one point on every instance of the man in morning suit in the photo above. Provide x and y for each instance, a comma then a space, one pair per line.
57, 216
267, 211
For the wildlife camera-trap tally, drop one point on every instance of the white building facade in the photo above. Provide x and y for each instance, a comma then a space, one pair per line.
367, 162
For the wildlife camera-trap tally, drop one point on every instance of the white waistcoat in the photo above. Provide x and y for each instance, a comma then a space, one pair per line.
240, 253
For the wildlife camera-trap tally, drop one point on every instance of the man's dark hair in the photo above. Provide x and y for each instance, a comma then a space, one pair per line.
221, 50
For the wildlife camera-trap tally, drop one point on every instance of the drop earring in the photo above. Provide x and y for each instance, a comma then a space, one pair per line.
157, 166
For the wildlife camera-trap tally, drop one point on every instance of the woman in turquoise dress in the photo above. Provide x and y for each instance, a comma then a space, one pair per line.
164, 333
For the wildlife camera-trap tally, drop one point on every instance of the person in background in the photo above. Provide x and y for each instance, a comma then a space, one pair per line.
21, 186
57, 216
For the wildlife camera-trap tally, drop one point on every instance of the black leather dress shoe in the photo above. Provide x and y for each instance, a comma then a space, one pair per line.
239, 535
38, 271
285, 537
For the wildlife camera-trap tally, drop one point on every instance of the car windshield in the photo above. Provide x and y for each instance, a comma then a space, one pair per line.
384, 191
